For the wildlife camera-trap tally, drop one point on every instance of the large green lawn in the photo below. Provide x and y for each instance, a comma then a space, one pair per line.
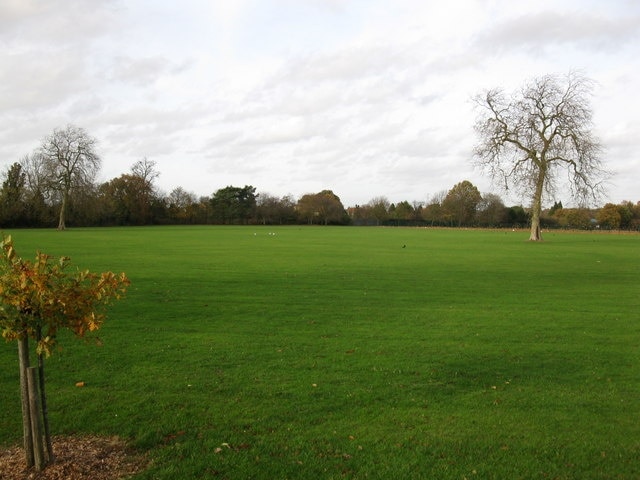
289, 352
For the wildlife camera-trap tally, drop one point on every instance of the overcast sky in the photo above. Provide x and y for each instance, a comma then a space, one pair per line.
365, 97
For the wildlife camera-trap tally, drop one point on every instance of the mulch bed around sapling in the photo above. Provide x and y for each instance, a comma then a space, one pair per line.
77, 458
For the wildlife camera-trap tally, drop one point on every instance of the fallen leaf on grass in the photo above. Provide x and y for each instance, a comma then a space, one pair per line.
173, 436
242, 446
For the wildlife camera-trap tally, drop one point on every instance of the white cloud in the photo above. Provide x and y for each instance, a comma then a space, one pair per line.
363, 97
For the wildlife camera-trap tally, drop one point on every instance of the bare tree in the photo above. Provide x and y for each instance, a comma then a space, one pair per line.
146, 170
38, 201
182, 205
274, 210
379, 208
529, 139
491, 210
70, 162
36, 177
142, 191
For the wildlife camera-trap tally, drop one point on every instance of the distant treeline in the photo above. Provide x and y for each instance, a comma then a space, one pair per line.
133, 199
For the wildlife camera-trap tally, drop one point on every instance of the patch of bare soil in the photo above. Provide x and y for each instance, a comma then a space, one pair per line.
77, 458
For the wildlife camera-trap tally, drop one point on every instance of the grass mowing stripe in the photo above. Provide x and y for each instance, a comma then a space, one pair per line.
357, 352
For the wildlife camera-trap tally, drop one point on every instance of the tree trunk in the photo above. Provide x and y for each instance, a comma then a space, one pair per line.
535, 235
36, 419
63, 209
43, 403
23, 355
36, 441
536, 208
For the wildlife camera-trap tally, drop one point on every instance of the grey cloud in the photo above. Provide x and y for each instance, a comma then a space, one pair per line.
339, 112
146, 129
56, 22
87, 106
45, 67
28, 81
345, 64
539, 30
433, 143
144, 71
334, 5
320, 85
139, 72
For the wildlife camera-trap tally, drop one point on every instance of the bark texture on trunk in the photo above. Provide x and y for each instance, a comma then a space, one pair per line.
35, 429
23, 356
536, 208
63, 208
536, 234
36, 420
43, 404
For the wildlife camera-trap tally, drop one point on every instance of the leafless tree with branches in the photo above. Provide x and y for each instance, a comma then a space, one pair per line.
529, 139
70, 162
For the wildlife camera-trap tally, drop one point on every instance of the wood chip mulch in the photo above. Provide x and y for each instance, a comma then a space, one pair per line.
76, 458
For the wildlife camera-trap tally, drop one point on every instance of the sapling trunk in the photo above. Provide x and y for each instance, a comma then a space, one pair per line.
36, 420
43, 403
23, 356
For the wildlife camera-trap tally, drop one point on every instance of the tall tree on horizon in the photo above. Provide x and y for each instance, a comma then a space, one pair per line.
527, 140
70, 162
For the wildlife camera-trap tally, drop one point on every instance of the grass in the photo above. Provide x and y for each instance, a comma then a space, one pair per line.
354, 353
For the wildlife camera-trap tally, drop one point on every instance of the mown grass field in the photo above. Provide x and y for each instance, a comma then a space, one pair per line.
322, 353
